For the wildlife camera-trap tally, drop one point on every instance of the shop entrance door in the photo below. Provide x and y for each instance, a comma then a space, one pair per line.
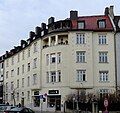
22, 101
58, 104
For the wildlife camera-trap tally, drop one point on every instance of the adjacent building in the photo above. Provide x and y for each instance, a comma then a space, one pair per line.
59, 59
1, 78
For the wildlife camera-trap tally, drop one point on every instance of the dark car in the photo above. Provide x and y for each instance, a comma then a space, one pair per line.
19, 110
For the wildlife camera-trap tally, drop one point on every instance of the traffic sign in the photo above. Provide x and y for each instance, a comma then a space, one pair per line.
105, 102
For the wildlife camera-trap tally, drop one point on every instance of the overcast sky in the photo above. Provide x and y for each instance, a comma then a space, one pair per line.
19, 17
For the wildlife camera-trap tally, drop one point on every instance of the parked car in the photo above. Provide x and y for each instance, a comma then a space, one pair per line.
5, 107
19, 110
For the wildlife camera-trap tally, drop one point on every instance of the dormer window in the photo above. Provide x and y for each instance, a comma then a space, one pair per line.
101, 24
81, 25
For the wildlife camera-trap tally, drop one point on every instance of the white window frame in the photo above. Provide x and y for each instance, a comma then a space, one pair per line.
12, 86
18, 71
23, 82
17, 83
28, 81
102, 39
81, 25
81, 76
80, 56
34, 79
53, 58
23, 68
80, 38
12, 72
35, 63
101, 23
17, 96
28, 68
53, 76
103, 76
7, 73
35, 47
59, 57
103, 57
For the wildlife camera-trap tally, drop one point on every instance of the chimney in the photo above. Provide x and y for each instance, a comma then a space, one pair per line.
32, 34
43, 26
51, 20
73, 15
106, 11
38, 31
111, 12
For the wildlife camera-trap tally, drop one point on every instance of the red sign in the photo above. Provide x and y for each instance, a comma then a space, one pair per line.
106, 102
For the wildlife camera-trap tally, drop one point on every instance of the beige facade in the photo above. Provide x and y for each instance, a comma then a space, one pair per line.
57, 62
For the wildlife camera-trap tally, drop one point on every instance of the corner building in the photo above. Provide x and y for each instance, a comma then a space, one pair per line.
61, 59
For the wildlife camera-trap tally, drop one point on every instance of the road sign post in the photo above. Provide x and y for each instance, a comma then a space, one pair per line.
106, 105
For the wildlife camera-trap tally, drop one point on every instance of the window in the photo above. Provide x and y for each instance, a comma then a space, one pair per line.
102, 39
28, 82
103, 76
34, 79
23, 69
101, 24
18, 83
22, 82
6, 86
12, 86
58, 57
80, 38
11, 96
81, 25
23, 55
47, 77
52, 58
28, 66
7, 62
28, 52
18, 71
18, 57
35, 47
59, 76
7, 74
53, 76
80, 55
103, 57
81, 75
6, 97
28, 95
12, 73
17, 96
12, 61
47, 59
35, 63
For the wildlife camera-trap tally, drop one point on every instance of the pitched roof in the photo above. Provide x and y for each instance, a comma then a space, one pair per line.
91, 23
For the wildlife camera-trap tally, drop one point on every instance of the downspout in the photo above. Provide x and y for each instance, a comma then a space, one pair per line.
115, 50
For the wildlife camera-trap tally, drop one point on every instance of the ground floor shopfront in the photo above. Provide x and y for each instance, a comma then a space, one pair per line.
54, 99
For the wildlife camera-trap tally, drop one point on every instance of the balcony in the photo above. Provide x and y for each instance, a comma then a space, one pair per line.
55, 40
62, 25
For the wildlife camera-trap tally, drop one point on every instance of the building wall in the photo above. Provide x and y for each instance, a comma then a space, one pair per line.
67, 66
25, 74
118, 56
